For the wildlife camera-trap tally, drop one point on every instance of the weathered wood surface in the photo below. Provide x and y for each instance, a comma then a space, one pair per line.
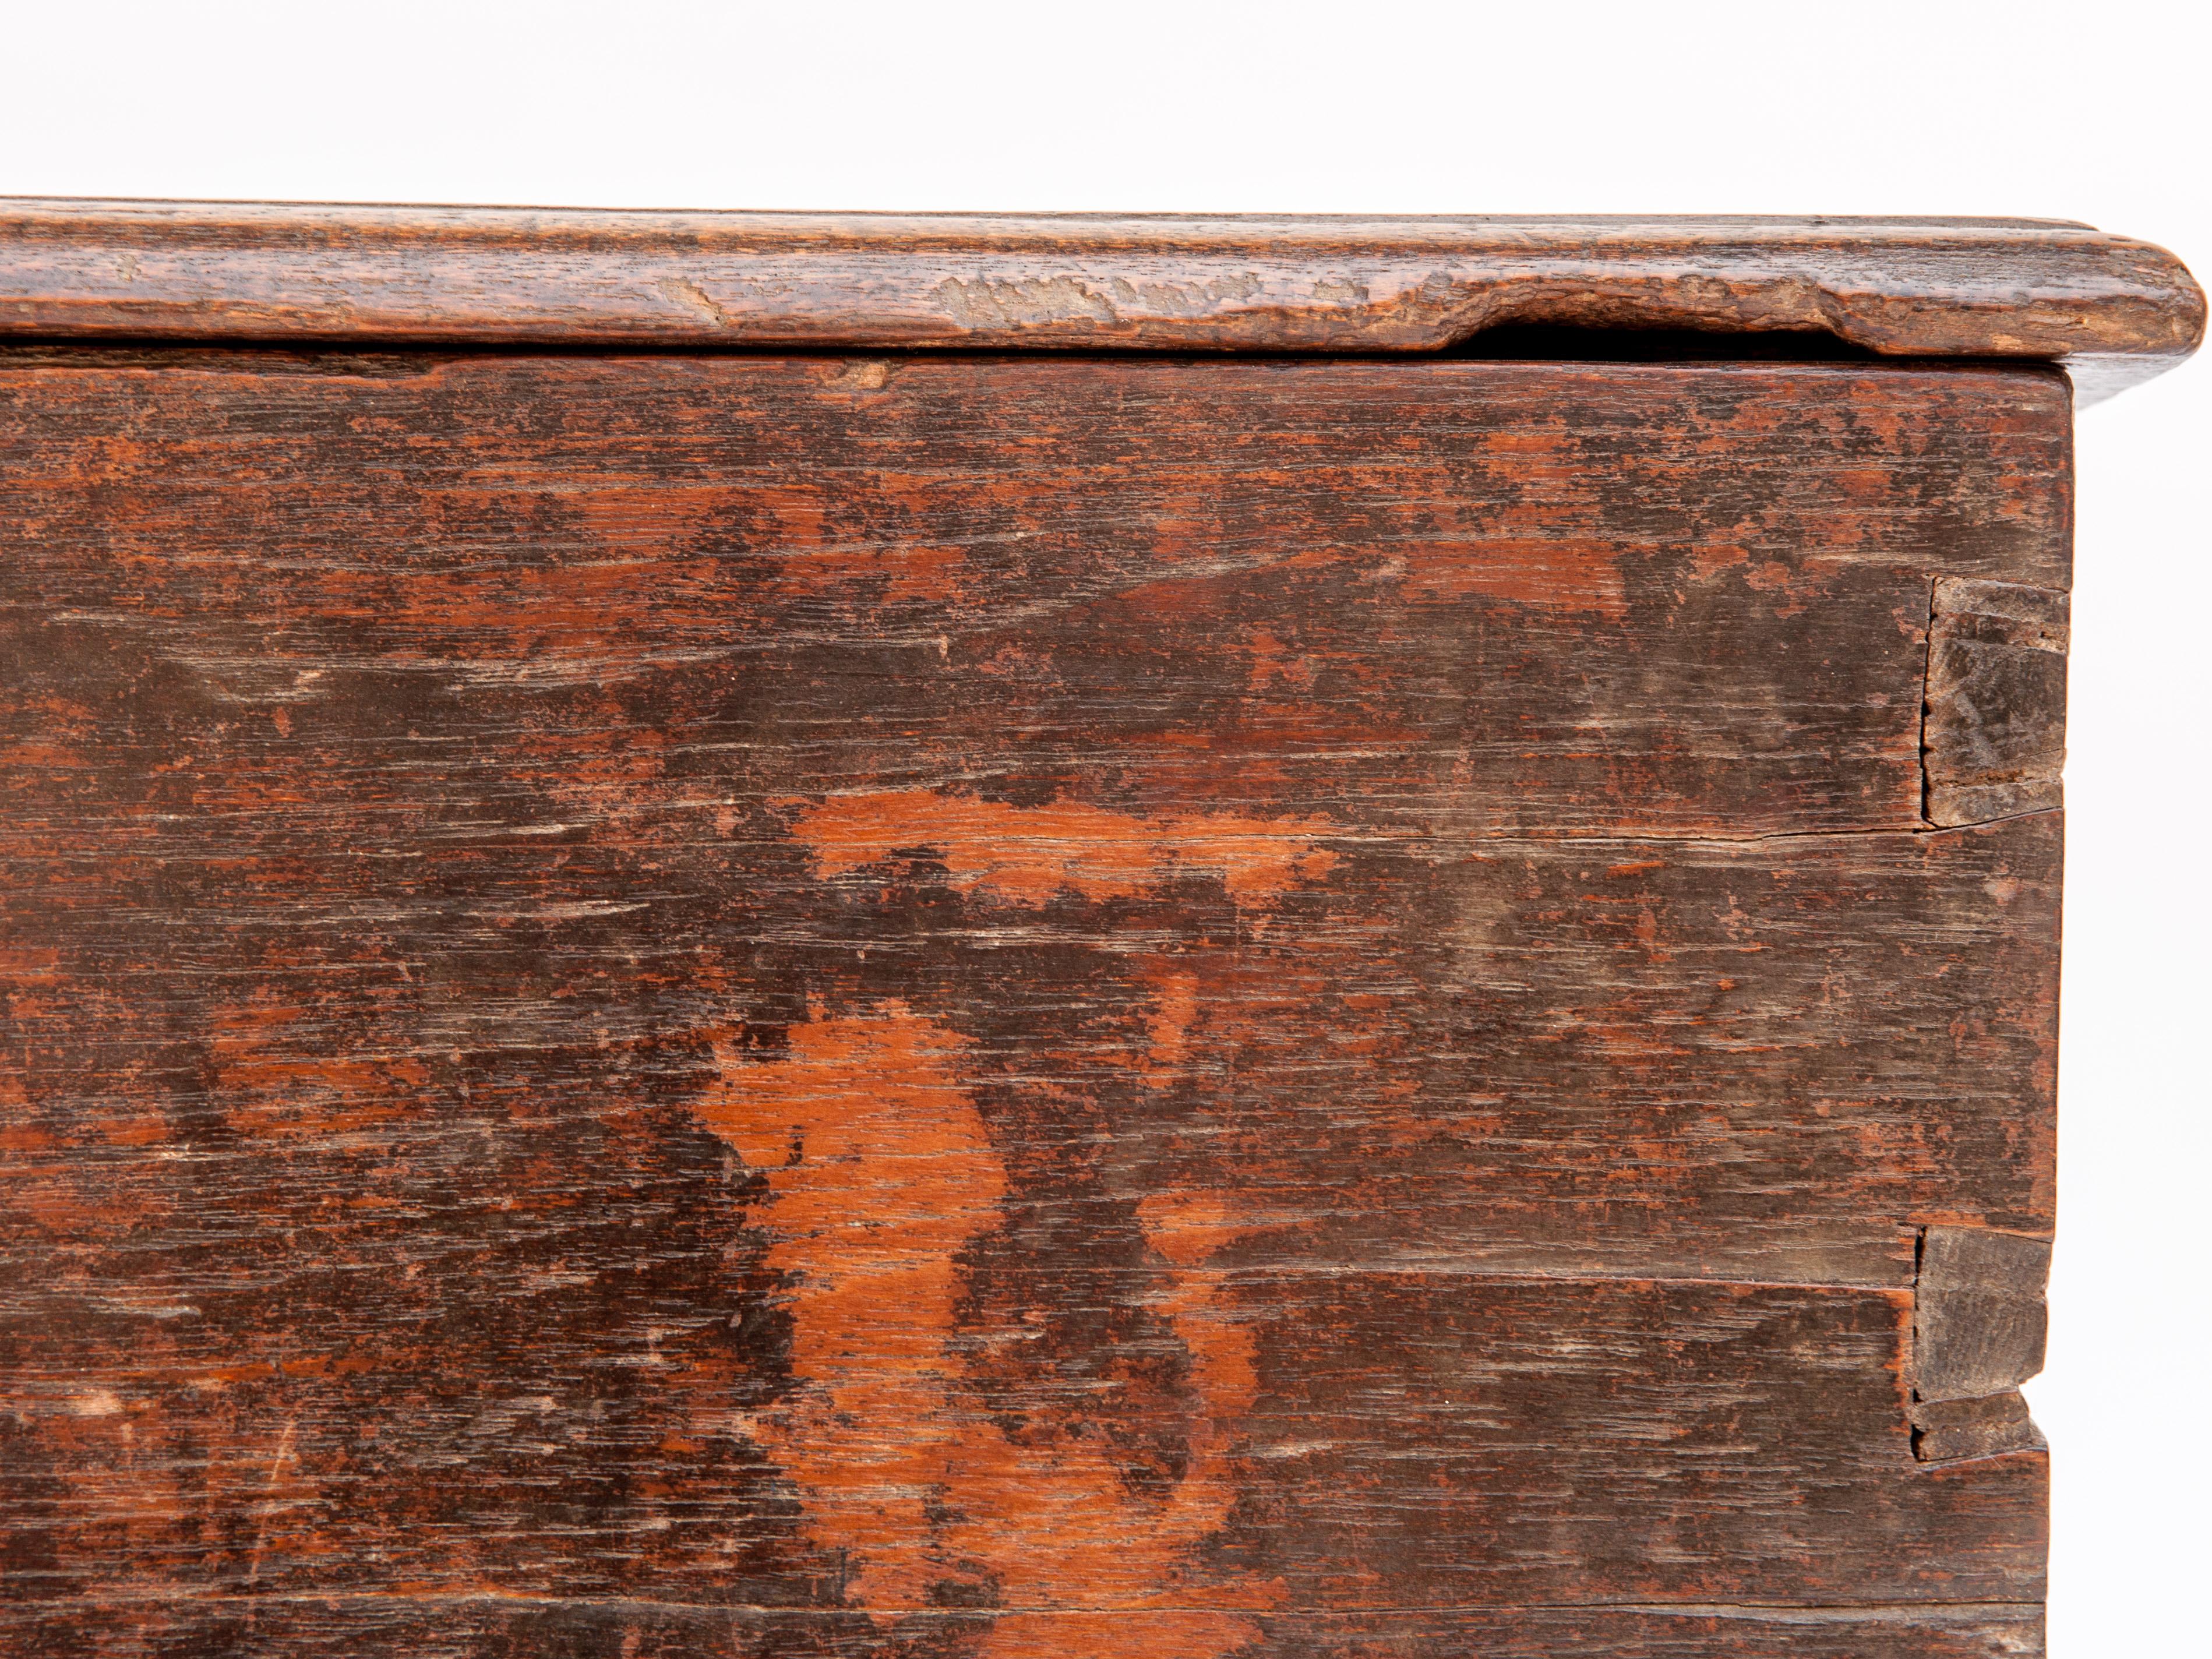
508, 1627
1994, 735
1445, 597
2116, 310
1978, 1332
1007, 1007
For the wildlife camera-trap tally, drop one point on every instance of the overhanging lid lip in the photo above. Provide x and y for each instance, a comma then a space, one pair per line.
2041, 290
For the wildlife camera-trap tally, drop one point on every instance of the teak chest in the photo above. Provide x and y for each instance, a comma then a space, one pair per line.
1032, 938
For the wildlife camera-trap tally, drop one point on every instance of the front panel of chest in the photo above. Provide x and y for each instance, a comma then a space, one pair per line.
1041, 1006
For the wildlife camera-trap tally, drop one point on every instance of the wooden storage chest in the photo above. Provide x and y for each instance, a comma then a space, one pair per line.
1068, 938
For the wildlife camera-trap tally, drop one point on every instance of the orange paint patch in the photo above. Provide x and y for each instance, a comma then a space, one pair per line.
894, 1173
906, 571
1716, 558
1029, 854
881, 1171
1272, 662
1174, 1010
20, 967
1189, 1227
274, 1081
1581, 577
1183, 1633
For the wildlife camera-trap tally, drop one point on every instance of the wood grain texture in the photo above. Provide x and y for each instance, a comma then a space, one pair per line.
1017, 1006
505, 1627
1977, 1333
2114, 310
1477, 598
1994, 730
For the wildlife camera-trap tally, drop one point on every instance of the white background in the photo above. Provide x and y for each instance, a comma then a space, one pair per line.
2096, 113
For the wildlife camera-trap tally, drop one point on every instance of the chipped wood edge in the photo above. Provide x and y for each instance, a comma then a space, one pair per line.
1979, 1323
1993, 712
2114, 310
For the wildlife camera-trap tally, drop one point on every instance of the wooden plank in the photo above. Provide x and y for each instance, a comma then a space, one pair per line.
1613, 1058
1451, 598
467, 1627
895, 1441
928, 1007
2115, 310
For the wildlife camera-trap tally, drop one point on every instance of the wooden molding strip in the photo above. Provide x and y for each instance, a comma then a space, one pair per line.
2114, 310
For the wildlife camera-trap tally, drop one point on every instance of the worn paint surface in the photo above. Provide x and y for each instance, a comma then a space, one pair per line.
1052, 1008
